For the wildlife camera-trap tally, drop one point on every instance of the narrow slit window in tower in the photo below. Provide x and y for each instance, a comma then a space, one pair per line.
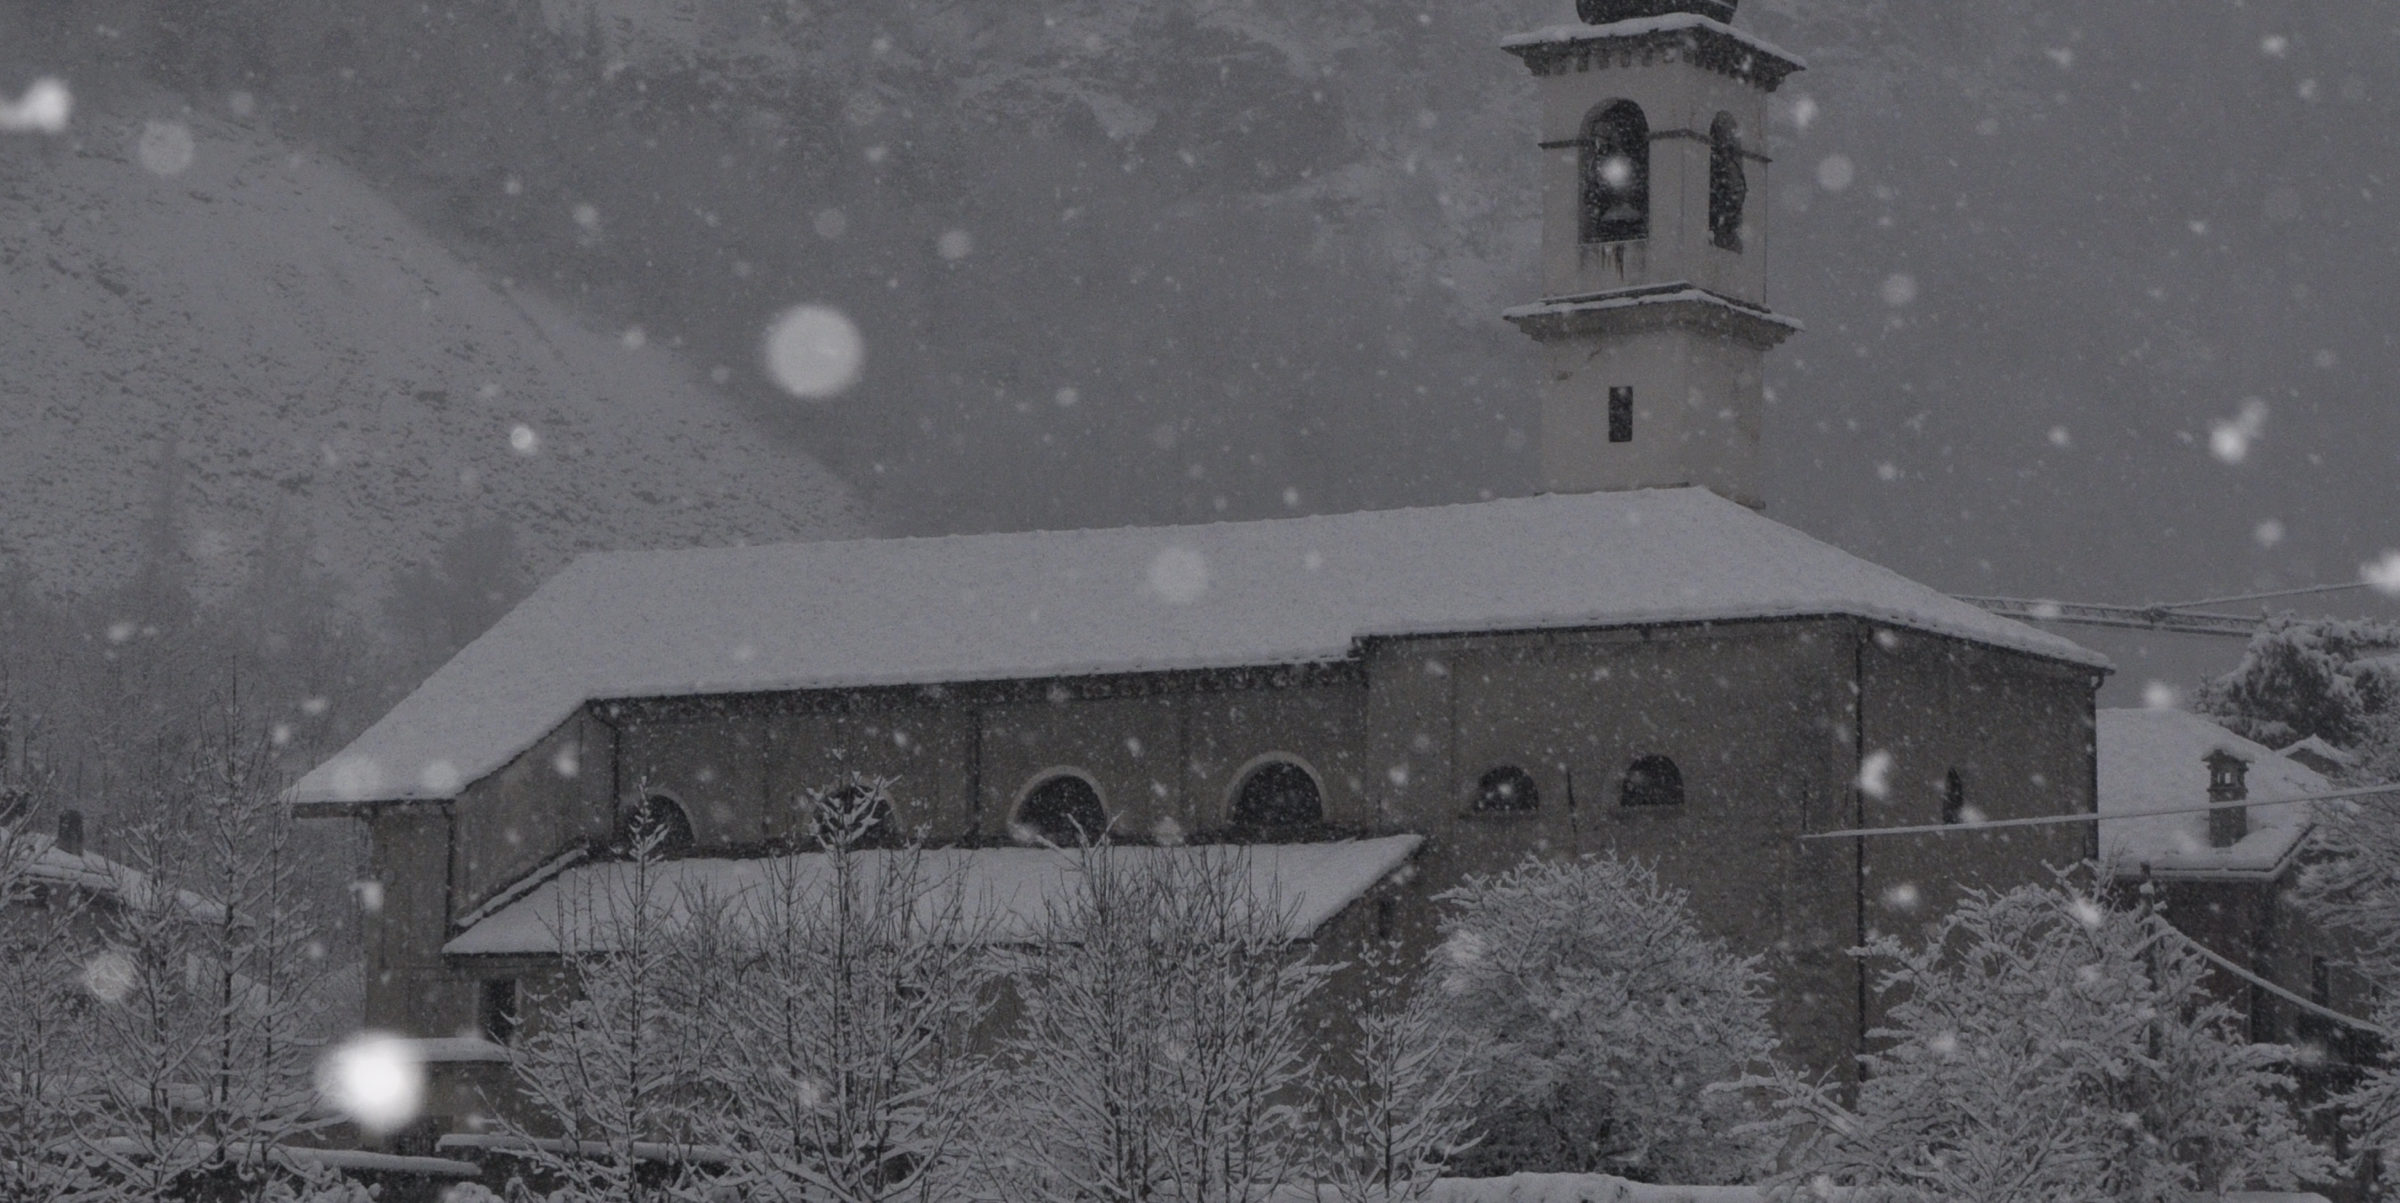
1620, 415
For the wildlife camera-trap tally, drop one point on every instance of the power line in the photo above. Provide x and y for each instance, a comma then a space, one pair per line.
2388, 787
2177, 618
2244, 597
2101, 614
2313, 1008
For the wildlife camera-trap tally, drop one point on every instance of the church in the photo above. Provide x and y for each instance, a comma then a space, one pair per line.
1636, 660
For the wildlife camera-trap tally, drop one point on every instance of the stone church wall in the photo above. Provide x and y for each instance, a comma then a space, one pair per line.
1767, 722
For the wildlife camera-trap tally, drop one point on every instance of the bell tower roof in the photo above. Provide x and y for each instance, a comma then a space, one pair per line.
1603, 12
1658, 27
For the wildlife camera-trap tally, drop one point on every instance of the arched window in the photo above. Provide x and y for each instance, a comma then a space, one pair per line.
655, 822
1278, 793
1728, 184
1064, 810
1616, 174
1507, 789
1651, 781
1954, 798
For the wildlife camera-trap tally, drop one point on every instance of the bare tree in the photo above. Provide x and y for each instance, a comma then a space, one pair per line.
849, 985
1400, 1107
39, 1075
207, 983
613, 1057
1162, 1052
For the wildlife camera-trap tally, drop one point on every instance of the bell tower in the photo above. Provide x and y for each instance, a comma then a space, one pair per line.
1653, 320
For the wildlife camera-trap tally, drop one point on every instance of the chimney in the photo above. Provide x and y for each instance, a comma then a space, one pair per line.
70, 832
2228, 781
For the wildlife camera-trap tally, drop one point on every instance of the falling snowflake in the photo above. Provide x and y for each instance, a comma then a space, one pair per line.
110, 977
2383, 574
43, 109
814, 352
439, 778
376, 1080
1836, 173
2230, 440
1875, 775
1178, 575
165, 147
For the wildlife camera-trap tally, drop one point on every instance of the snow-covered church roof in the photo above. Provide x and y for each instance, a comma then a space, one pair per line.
2157, 759
1051, 604
1007, 895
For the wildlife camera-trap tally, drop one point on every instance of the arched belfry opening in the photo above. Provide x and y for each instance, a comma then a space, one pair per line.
1616, 173
1728, 183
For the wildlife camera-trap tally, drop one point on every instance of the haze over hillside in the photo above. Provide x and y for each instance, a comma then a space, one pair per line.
210, 333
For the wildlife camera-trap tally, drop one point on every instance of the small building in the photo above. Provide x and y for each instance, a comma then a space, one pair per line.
2225, 875
1636, 661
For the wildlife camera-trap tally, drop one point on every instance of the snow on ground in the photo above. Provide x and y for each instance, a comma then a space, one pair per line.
324, 362
1013, 890
1066, 603
1602, 1188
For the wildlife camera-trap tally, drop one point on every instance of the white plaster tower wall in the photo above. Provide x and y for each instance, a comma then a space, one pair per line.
1654, 341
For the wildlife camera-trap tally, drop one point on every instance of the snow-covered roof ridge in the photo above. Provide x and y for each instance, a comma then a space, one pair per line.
1047, 604
2153, 758
1011, 893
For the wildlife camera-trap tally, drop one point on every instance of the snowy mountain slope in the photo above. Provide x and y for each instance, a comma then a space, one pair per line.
323, 368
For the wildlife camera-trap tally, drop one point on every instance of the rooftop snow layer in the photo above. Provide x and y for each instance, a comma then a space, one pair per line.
1642, 27
39, 858
1071, 603
1009, 892
2151, 759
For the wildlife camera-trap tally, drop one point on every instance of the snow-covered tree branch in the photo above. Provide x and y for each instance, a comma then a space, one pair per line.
1595, 1015
1162, 1050
848, 989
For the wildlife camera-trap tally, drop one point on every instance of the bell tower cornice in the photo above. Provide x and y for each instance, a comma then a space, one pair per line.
1699, 40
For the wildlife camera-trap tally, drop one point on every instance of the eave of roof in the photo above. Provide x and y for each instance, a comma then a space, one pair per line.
1010, 894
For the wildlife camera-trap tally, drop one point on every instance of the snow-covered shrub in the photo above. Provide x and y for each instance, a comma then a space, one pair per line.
1596, 1016
2042, 1046
846, 1003
1162, 1051
2304, 677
